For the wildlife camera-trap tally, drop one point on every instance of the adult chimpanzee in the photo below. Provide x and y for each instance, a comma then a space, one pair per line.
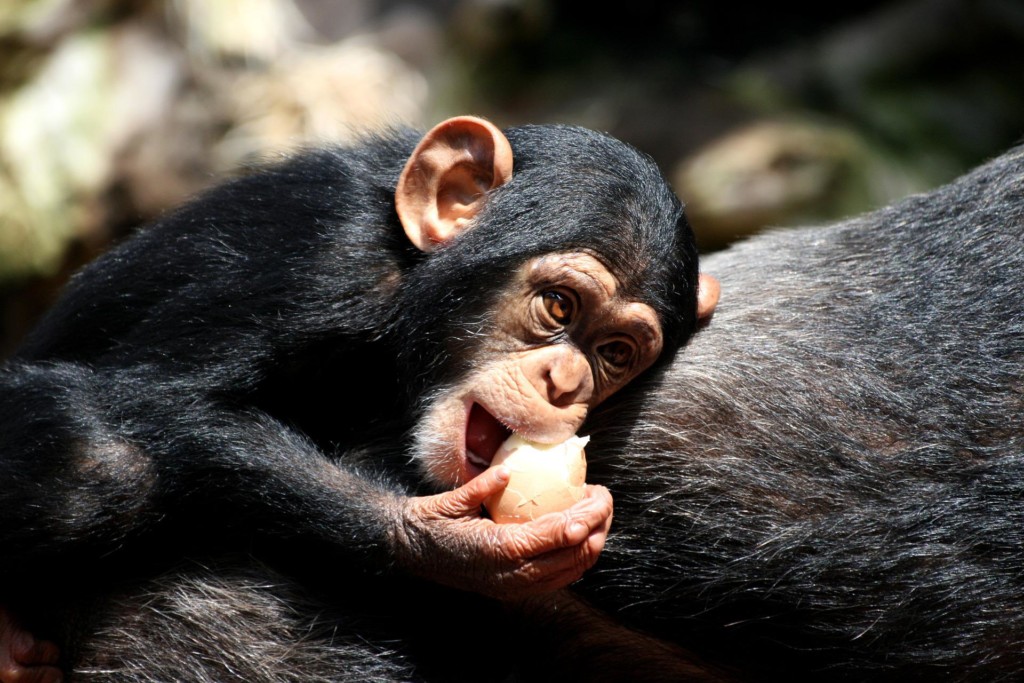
827, 483
229, 367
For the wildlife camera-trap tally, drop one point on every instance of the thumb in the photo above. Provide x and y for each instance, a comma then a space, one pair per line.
468, 498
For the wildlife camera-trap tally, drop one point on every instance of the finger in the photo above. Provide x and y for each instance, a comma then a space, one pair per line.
606, 526
589, 514
32, 674
578, 558
602, 498
35, 674
468, 498
553, 571
30, 651
565, 529
590, 490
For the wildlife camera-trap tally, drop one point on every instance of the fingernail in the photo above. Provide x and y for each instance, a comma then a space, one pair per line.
502, 474
577, 529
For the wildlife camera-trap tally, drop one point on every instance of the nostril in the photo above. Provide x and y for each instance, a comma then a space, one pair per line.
566, 380
558, 395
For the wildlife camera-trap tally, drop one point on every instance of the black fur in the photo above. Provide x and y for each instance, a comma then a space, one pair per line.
829, 481
217, 379
826, 484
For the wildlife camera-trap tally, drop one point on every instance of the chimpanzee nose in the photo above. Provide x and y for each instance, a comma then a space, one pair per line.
568, 377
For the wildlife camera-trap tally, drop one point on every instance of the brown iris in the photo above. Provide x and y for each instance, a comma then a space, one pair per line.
559, 306
618, 353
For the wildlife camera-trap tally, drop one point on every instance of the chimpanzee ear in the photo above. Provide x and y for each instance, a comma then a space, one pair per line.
445, 182
708, 290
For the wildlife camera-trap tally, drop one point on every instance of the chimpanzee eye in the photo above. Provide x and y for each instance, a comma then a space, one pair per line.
559, 306
618, 353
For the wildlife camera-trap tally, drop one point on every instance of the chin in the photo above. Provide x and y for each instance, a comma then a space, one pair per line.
439, 444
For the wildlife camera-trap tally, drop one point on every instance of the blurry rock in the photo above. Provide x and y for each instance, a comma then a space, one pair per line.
255, 30
227, 118
61, 132
778, 173
42, 21
318, 95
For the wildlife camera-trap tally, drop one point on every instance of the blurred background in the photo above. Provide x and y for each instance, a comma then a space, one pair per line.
114, 111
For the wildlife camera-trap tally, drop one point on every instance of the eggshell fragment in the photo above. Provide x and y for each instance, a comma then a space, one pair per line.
544, 478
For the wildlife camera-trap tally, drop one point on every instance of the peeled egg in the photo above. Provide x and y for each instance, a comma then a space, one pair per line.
544, 478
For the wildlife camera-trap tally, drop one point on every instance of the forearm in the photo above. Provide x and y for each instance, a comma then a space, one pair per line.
251, 472
91, 462
568, 639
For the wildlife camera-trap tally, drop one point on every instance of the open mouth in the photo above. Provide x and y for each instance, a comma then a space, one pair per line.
484, 434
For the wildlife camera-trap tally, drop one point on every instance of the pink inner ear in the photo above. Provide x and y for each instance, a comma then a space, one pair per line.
448, 173
460, 193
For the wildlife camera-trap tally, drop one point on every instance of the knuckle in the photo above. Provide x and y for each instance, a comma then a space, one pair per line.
512, 540
498, 546
504, 546
584, 559
445, 507
520, 547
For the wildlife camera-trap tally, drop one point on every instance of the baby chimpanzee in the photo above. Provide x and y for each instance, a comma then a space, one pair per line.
219, 377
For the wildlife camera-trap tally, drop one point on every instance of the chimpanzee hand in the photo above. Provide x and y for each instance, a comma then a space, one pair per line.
445, 538
23, 659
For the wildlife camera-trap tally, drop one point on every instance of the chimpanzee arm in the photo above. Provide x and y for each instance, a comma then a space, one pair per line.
87, 465
93, 459
568, 639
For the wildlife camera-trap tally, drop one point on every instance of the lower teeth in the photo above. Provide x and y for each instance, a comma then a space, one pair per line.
477, 460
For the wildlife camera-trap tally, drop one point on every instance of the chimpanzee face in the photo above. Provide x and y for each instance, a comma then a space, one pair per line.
561, 339
529, 344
